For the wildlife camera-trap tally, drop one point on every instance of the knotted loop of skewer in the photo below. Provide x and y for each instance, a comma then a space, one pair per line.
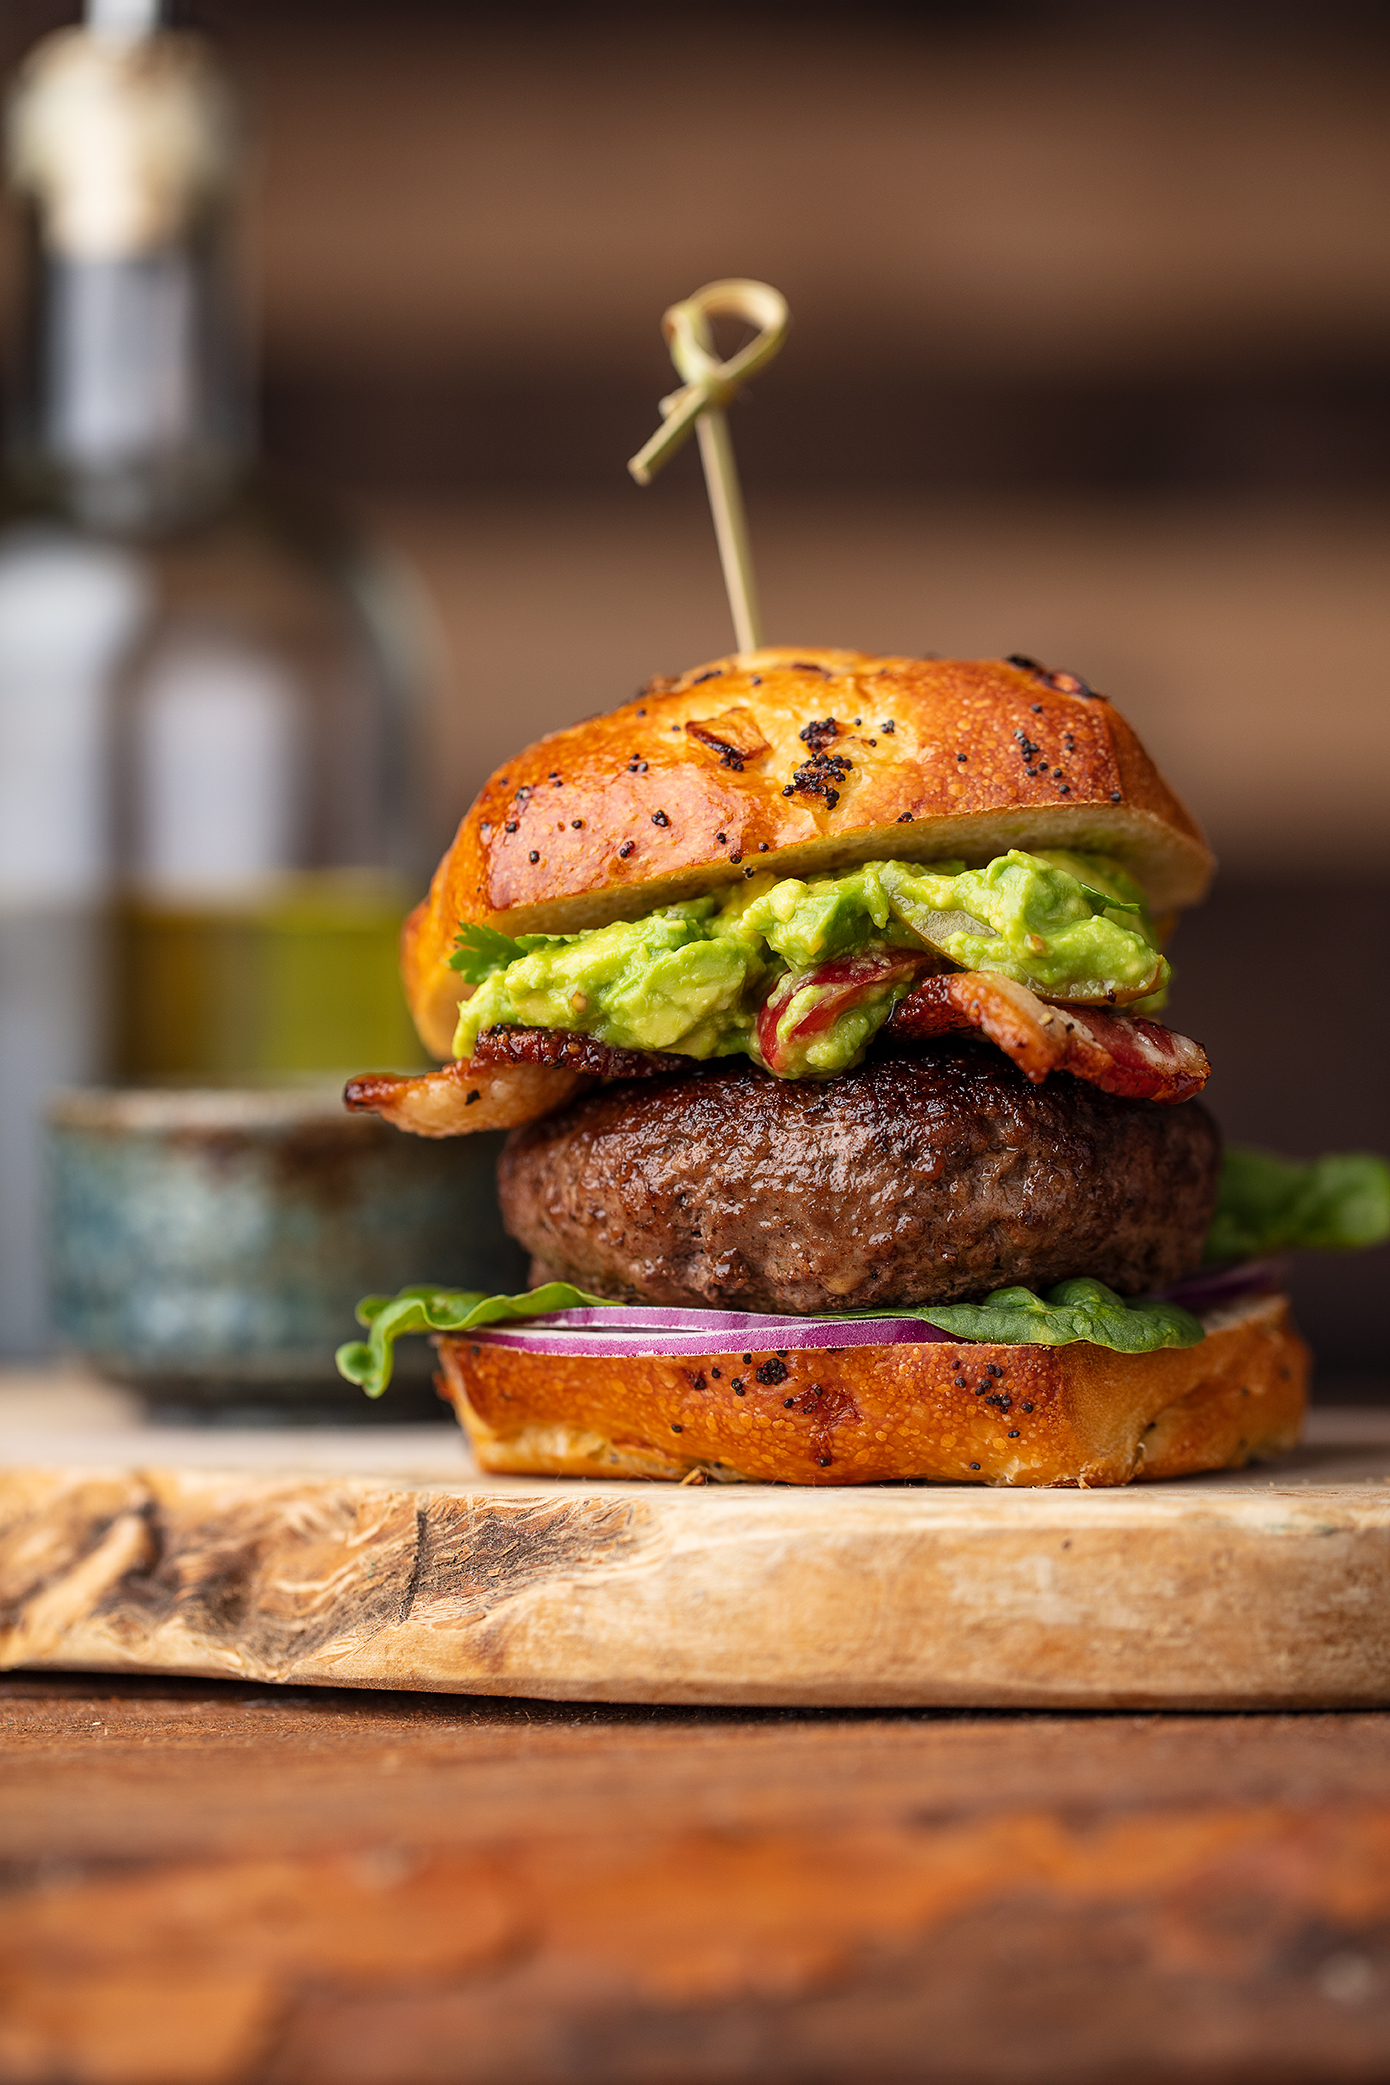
710, 386
708, 381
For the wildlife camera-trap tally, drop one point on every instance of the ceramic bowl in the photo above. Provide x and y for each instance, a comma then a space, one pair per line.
208, 1247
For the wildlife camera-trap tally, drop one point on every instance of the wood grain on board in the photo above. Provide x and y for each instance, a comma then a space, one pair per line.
215, 1884
1254, 1590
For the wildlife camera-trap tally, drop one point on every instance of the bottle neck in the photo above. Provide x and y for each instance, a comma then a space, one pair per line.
133, 409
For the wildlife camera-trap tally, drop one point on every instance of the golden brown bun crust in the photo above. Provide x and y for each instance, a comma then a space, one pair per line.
1076, 1415
641, 780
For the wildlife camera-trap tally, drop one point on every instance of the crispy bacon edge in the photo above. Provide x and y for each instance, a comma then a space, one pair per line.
461, 1098
1121, 1053
515, 1075
509, 1044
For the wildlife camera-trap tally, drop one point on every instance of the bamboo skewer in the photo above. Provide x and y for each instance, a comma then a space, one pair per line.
708, 389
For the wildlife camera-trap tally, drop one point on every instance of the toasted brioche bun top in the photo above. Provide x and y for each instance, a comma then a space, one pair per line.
701, 779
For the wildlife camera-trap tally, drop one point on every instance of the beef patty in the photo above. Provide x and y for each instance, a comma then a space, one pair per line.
918, 1178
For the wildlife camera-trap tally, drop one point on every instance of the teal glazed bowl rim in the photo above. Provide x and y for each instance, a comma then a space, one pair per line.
224, 1235
162, 1110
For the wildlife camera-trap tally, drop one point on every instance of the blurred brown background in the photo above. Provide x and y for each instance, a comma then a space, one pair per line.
1091, 360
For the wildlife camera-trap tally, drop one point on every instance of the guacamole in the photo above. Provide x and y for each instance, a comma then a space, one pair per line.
692, 978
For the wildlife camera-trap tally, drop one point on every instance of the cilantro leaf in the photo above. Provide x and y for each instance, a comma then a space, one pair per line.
479, 950
1101, 903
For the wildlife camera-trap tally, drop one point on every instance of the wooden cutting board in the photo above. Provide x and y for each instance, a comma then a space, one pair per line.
376, 1557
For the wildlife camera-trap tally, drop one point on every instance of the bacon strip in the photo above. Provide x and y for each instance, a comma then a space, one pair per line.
519, 1074
515, 1075
461, 1098
840, 984
1139, 1059
562, 1046
1120, 1053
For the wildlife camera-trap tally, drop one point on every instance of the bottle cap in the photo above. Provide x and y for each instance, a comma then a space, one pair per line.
121, 138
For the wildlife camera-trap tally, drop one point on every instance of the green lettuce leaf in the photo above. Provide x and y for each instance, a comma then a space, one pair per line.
1075, 1310
1081, 1309
368, 1362
1265, 1204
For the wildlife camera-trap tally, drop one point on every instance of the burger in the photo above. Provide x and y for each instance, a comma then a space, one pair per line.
820, 994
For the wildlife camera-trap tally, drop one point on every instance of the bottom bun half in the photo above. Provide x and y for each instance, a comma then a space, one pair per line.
1024, 1415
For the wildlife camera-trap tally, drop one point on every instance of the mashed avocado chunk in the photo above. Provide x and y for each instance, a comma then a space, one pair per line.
692, 977
1048, 921
1035, 922
684, 978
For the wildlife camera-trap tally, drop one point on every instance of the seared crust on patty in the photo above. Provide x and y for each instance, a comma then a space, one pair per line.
794, 759
922, 1177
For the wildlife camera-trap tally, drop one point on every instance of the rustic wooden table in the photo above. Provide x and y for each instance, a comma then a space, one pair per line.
222, 1882
213, 1883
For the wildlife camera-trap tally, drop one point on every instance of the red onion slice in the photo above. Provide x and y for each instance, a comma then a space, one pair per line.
1215, 1286
653, 1330
717, 1334
664, 1317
